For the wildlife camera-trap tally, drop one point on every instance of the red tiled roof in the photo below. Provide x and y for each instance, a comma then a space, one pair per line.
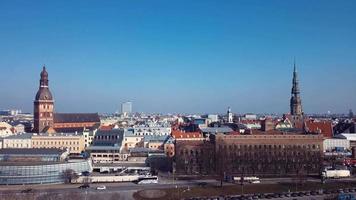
320, 127
106, 128
180, 134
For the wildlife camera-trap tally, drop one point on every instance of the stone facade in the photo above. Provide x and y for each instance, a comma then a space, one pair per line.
260, 155
73, 142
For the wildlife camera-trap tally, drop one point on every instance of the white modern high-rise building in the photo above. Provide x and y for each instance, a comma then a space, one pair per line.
126, 108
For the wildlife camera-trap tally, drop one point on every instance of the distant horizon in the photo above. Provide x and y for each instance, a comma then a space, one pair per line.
238, 114
180, 57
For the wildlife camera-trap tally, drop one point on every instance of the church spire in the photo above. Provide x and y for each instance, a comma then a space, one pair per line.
44, 77
43, 105
295, 102
295, 88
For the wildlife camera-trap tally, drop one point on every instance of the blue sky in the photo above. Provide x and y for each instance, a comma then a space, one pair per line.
179, 56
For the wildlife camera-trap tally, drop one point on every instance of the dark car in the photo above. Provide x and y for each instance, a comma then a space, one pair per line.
85, 173
27, 190
294, 194
83, 187
202, 184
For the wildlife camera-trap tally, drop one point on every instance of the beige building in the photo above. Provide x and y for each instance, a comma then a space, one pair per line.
131, 141
73, 142
18, 141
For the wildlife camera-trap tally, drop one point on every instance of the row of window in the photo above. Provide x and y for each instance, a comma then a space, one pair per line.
18, 145
45, 114
309, 146
61, 147
106, 137
55, 142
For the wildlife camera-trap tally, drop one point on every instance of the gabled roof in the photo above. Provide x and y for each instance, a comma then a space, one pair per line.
319, 127
76, 117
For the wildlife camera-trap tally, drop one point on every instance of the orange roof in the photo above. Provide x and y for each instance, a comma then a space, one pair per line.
106, 128
321, 127
180, 134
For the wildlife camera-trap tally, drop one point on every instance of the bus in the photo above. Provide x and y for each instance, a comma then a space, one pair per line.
147, 180
250, 179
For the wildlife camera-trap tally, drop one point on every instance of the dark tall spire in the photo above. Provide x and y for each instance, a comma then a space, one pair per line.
295, 101
295, 88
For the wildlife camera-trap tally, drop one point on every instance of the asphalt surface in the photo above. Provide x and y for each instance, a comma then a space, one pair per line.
127, 189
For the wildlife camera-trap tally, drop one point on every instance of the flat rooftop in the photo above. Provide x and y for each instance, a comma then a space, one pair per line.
33, 151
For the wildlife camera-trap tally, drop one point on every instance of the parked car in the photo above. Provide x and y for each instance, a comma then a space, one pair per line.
27, 190
83, 186
101, 187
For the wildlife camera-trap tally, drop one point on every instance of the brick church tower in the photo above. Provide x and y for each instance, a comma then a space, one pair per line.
43, 105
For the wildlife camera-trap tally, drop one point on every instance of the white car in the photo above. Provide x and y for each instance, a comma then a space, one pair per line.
102, 187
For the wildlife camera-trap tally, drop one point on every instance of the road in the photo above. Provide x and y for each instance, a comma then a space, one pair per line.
126, 189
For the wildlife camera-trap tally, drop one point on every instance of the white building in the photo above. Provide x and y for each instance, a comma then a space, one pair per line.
213, 118
330, 144
22, 140
18, 127
89, 137
143, 130
351, 137
250, 116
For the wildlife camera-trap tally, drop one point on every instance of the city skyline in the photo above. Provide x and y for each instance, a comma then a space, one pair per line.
165, 61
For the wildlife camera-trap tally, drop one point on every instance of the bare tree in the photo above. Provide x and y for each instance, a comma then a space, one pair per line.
69, 175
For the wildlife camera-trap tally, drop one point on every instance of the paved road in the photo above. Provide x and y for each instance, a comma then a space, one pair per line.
127, 188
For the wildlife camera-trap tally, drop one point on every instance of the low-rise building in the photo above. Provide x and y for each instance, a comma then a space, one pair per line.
5, 129
22, 140
73, 142
323, 127
256, 154
169, 147
216, 130
351, 137
107, 146
143, 130
131, 140
89, 135
330, 144
155, 142
38, 166
182, 135
18, 127
277, 154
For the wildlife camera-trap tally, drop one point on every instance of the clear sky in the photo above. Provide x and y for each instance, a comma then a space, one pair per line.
179, 56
